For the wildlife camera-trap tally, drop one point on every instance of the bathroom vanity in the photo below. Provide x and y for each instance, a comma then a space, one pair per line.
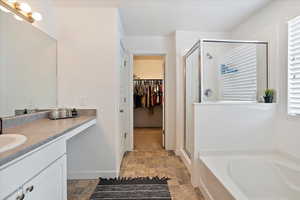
37, 169
33, 148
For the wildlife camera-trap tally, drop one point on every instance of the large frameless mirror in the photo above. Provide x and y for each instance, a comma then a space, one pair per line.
28, 67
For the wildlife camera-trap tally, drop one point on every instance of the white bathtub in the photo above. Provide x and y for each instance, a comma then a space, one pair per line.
250, 177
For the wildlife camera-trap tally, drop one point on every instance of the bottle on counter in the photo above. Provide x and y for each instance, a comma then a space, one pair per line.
74, 112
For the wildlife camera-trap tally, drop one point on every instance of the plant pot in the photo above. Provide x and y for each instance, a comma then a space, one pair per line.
268, 99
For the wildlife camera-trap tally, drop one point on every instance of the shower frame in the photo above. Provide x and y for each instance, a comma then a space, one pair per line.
196, 46
199, 46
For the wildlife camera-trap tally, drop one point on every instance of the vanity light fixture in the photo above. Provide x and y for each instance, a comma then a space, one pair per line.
12, 1
21, 11
23, 7
4, 9
36, 16
18, 18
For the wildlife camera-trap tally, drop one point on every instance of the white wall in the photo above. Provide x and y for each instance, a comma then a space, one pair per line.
2, 70
89, 60
184, 41
270, 24
155, 45
148, 68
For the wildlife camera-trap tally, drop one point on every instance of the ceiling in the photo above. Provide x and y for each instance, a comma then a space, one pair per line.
161, 17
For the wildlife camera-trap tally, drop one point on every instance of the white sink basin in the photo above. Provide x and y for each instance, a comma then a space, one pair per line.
10, 141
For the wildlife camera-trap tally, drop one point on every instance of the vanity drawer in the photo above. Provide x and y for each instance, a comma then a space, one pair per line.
15, 175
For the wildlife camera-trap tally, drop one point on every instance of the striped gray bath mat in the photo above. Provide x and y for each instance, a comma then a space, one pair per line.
143, 188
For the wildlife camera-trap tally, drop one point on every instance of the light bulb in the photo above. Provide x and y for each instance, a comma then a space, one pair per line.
18, 18
12, 1
25, 7
37, 16
4, 9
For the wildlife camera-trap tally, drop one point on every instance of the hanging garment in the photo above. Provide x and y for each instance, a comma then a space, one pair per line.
148, 93
148, 96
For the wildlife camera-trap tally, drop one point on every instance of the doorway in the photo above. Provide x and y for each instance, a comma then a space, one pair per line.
148, 102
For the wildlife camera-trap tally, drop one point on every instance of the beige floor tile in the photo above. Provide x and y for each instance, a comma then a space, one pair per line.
145, 162
148, 139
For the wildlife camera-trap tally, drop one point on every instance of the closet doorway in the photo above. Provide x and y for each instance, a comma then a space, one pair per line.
149, 102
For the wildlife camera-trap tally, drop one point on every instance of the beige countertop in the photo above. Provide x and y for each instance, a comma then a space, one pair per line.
40, 132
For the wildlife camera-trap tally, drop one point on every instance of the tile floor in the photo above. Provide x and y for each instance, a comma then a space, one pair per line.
162, 164
148, 139
149, 159
146, 163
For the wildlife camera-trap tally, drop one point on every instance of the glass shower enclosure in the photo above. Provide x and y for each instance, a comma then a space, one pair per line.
222, 71
192, 94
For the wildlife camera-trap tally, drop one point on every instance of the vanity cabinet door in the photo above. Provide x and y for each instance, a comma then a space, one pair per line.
50, 184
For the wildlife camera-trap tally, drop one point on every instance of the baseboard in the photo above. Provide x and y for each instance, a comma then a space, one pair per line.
177, 152
185, 158
91, 174
205, 191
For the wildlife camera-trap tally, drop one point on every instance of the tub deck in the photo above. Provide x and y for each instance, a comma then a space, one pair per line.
268, 176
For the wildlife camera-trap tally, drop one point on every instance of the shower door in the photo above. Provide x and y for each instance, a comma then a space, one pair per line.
192, 95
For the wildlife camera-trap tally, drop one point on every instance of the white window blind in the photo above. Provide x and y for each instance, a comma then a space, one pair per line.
239, 74
294, 67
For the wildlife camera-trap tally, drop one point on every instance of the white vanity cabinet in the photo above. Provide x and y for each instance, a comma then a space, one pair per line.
16, 195
50, 184
40, 174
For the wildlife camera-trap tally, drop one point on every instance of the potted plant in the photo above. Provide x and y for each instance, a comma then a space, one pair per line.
269, 95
